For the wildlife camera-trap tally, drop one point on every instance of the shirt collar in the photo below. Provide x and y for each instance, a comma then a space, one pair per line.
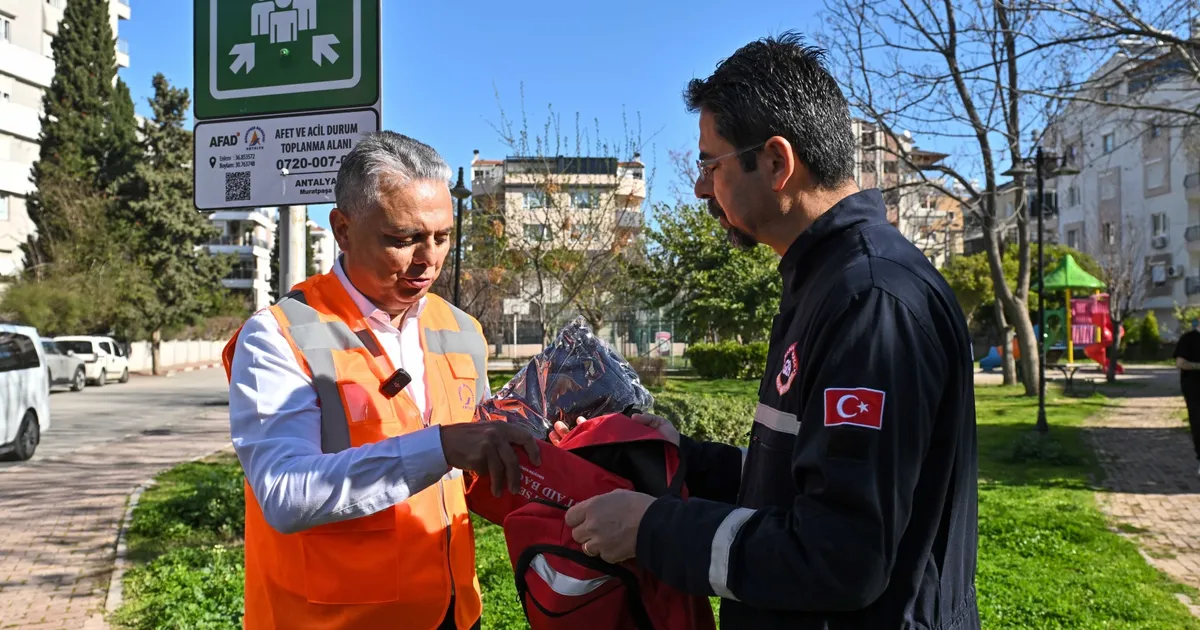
366, 306
858, 210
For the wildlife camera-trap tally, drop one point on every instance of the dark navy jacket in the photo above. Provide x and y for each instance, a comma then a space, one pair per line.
855, 505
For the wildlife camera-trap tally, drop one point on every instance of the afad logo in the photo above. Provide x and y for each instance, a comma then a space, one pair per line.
255, 139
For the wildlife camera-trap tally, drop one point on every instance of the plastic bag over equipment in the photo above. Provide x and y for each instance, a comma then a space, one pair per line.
576, 375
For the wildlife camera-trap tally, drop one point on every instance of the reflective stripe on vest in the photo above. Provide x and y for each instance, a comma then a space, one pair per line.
317, 340
466, 340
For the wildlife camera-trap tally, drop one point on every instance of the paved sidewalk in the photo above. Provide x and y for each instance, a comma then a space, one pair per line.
1153, 489
58, 532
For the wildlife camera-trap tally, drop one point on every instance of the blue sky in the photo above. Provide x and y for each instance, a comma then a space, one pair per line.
442, 67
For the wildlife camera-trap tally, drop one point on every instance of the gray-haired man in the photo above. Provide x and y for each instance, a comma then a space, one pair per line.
351, 406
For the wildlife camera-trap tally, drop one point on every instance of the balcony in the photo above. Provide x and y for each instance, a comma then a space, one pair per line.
1191, 184
248, 214
630, 219
20, 121
14, 178
122, 53
1192, 236
1191, 285
26, 65
121, 8
240, 245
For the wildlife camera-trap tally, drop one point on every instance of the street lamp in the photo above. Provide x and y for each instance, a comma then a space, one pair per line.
1041, 160
460, 192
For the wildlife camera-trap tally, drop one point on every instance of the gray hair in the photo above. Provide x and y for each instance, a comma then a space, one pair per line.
384, 154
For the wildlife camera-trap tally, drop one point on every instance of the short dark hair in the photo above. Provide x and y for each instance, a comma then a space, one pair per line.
777, 86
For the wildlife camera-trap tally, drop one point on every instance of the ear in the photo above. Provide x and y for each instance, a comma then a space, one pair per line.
781, 163
340, 224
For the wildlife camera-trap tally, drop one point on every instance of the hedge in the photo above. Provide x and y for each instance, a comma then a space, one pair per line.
728, 359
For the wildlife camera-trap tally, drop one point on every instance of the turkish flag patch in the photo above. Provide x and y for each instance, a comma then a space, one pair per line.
859, 406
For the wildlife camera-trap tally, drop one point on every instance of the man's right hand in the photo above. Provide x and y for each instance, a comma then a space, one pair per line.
487, 447
654, 422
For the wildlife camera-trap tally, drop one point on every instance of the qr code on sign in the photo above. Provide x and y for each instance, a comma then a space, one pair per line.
237, 186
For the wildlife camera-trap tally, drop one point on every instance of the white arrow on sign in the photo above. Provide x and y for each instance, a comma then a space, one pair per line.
323, 47
245, 57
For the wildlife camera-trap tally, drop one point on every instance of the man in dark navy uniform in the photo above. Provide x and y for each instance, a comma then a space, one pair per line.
855, 504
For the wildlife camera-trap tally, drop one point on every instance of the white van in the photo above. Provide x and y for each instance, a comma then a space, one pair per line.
104, 359
24, 391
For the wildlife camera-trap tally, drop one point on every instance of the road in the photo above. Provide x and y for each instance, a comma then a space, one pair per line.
99, 415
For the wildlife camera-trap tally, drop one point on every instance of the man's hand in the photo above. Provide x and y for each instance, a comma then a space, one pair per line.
486, 447
654, 422
607, 525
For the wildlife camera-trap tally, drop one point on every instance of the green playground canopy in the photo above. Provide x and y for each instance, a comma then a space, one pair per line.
1069, 275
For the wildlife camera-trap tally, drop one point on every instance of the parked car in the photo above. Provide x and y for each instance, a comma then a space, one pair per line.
24, 391
63, 366
103, 358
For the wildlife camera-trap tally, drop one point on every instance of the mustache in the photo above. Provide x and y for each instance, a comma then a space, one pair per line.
715, 208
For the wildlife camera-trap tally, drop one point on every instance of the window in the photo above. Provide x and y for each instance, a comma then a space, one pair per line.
1106, 95
1073, 239
585, 199
536, 231
1072, 196
4, 207
1158, 273
6, 28
49, 347
478, 173
107, 347
1109, 233
1158, 224
1071, 153
535, 199
17, 352
1108, 143
1155, 130
1108, 187
1156, 173
1008, 209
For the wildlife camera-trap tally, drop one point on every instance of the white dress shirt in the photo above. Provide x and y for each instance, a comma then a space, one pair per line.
275, 425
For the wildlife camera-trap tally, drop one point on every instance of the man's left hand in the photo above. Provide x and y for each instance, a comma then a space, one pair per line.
607, 525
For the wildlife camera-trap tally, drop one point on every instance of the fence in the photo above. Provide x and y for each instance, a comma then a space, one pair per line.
174, 354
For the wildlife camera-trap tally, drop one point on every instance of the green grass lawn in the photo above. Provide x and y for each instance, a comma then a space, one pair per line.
1047, 558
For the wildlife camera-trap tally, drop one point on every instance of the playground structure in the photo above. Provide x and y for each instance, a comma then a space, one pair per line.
1087, 318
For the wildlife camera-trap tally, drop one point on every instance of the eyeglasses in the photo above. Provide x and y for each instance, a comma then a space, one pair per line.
705, 166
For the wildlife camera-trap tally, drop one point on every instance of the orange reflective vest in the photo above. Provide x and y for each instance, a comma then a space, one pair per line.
396, 568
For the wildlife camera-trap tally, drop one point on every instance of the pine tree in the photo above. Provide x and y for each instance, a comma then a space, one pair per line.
73, 167
169, 232
123, 149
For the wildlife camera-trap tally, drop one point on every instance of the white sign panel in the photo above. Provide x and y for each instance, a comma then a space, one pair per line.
290, 160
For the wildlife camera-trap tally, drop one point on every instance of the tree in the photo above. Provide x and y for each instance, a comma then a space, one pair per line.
1124, 271
575, 227
82, 140
183, 278
276, 279
718, 291
951, 70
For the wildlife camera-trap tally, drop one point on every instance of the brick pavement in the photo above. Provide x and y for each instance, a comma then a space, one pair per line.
1151, 480
59, 520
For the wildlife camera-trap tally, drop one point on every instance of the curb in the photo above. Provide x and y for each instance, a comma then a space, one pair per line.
115, 596
190, 368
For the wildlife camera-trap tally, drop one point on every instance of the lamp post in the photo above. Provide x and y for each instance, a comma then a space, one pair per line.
460, 192
1040, 160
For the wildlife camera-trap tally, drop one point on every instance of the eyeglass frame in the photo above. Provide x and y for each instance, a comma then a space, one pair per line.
703, 165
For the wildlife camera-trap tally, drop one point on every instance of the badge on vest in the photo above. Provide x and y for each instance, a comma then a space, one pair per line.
395, 383
787, 373
466, 396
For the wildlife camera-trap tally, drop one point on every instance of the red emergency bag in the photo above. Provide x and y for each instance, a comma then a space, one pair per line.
560, 586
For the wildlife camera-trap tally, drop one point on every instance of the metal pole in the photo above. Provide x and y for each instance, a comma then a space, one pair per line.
1042, 427
458, 239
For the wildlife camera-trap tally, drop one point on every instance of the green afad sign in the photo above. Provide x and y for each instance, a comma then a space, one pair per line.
257, 57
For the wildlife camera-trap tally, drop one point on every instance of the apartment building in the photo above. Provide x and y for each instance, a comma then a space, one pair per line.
928, 217
562, 202
1006, 215
248, 234
324, 247
1138, 190
26, 67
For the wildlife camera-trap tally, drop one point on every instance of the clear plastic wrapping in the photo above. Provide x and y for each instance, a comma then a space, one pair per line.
577, 375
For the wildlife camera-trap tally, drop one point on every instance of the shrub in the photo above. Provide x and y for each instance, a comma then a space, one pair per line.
1150, 340
199, 588
708, 418
728, 359
1133, 331
652, 371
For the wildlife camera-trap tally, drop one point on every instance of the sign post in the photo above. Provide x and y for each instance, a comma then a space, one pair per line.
284, 90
